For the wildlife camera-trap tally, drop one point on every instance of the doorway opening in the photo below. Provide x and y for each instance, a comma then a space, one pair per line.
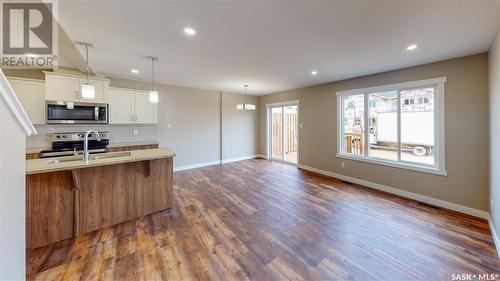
283, 132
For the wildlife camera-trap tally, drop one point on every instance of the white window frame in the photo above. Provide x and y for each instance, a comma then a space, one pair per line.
439, 126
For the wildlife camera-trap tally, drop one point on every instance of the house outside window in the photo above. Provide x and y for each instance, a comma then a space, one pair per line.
399, 125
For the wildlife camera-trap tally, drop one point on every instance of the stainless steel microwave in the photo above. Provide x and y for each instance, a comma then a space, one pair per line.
65, 112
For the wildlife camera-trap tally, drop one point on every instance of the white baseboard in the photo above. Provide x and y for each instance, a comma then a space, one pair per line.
204, 164
239, 158
496, 239
407, 194
197, 165
417, 197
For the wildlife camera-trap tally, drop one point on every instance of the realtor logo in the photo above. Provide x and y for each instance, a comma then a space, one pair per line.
29, 34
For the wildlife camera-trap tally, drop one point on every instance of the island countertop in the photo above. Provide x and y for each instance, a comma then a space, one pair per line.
44, 165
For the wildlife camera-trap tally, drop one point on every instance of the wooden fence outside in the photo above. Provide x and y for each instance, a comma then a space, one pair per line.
290, 124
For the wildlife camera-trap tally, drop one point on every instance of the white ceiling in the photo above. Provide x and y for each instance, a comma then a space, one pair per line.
273, 46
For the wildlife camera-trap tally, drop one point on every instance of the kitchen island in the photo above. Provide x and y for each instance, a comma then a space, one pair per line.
67, 196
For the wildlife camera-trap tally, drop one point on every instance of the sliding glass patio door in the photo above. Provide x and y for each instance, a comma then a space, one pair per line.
283, 132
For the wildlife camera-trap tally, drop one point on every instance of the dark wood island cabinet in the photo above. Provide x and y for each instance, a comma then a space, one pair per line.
66, 199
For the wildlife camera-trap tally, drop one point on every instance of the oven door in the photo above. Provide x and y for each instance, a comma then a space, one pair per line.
76, 113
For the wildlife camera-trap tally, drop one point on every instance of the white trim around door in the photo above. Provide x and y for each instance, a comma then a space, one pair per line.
269, 107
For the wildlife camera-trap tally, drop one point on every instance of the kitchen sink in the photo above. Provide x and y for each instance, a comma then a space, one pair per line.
65, 159
109, 155
91, 157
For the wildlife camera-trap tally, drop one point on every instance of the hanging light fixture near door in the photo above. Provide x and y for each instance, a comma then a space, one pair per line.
153, 94
87, 90
246, 105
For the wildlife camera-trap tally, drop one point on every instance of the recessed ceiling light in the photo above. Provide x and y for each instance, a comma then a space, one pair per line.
135, 71
314, 72
411, 47
189, 31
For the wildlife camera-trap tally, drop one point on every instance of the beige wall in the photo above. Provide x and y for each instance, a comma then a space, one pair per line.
195, 128
240, 128
194, 116
495, 133
466, 94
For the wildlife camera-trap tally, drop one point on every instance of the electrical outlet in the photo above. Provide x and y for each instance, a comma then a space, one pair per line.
342, 164
135, 132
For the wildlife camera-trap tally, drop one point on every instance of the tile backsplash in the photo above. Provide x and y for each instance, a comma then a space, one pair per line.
117, 133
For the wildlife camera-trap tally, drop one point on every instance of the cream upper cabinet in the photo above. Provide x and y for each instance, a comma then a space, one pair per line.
101, 90
62, 87
121, 106
145, 112
128, 106
31, 94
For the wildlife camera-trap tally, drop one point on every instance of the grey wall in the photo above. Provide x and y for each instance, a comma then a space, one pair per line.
240, 128
194, 118
495, 133
195, 128
194, 115
466, 94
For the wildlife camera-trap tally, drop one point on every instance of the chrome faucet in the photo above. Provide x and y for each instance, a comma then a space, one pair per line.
86, 143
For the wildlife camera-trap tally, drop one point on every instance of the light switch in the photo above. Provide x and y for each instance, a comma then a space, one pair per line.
300, 125
169, 125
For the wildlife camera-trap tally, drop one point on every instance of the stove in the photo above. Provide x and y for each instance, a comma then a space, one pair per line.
66, 144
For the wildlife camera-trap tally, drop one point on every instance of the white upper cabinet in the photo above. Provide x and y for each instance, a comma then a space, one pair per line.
101, 90
145, 112
31, 94
121, 106
63, 87
128, 106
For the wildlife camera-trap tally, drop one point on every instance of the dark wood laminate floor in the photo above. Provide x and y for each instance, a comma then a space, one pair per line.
262, 220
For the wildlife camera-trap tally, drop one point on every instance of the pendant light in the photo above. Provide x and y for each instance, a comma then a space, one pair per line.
87, 90
153, 94
246, 105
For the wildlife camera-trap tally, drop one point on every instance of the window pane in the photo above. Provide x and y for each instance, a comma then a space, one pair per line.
353, 120
277, 151
290, 133
383, 129
417, 125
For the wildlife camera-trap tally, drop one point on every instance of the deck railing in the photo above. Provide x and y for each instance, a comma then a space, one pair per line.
354, 143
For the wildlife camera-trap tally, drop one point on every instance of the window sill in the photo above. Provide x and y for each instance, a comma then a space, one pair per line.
395, 165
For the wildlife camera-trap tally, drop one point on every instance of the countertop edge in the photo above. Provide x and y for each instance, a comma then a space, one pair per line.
120, 160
